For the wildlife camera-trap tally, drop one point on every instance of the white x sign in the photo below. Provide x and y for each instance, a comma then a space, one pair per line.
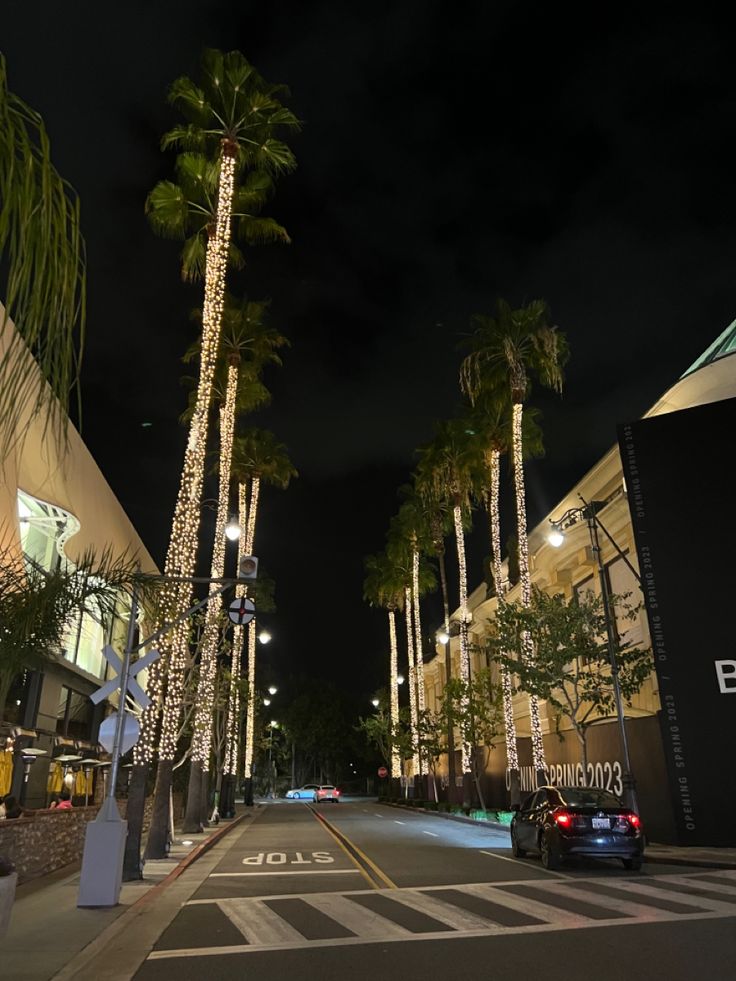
134, 688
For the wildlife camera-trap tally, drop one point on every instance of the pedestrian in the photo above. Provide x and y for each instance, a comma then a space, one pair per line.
65, 801
12, 808
54, 802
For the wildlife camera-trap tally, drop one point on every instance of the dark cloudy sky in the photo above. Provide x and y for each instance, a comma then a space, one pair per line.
451, 153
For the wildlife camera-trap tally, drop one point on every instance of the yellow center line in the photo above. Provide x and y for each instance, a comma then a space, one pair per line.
337, 835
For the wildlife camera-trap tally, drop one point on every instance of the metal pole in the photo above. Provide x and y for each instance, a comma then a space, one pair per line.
629, 794
124, 674
270, 765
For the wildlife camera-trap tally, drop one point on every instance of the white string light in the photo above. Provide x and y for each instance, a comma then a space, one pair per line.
538, 756
467, 749
412, 680
395, 755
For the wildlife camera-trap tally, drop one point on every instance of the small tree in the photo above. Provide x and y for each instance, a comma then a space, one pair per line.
571, 668
380, 733
476, 708
432, 730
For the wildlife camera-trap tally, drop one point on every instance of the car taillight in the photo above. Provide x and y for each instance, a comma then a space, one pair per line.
337, 793
562, 818
634, 820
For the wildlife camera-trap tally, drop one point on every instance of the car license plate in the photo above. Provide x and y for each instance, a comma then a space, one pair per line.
601, 823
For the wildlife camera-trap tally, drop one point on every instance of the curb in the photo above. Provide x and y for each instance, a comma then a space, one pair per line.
461, 818
698, 863
189, 859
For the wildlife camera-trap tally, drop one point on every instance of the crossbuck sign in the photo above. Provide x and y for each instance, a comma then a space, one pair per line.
134, 689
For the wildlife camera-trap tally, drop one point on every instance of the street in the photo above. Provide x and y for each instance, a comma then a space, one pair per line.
372, 891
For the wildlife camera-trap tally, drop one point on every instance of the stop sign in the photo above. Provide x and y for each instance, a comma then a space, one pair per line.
382, 772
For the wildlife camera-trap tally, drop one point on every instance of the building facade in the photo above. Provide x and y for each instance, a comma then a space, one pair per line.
54, 505
573, 568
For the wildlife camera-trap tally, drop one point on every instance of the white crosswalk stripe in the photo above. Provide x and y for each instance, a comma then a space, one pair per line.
640, 901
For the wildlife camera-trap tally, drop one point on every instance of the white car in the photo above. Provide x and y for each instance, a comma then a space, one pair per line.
307, 792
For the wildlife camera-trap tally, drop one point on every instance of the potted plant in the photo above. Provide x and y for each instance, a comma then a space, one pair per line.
8, 881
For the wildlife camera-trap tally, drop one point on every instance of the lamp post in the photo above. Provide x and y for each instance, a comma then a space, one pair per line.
556, 538
443, 637
272, 725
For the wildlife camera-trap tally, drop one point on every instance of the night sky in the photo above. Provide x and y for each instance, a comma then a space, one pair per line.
450, 154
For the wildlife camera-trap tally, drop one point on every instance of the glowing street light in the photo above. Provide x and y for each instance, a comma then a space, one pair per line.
264, 636
375, 702
232, 530
272, 690
443, 636
399, 679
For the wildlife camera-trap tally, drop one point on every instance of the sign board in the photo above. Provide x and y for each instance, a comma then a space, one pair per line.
681, 500
130, 735
134, 689
241, 610
382, 772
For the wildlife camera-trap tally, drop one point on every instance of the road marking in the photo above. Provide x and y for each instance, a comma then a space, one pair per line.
247, 875
264, 929
377, 815
505, 858
343, 841
430, 833
399, 822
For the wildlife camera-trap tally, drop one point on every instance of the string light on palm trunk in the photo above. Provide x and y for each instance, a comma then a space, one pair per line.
467, 749
412, 679
512, 753
538, 755
202, 736
182, 553
395, 755
421, 699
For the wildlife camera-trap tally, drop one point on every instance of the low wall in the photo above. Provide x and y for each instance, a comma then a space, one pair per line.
48, 840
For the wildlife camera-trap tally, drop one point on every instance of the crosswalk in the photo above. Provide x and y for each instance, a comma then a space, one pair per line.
291, 921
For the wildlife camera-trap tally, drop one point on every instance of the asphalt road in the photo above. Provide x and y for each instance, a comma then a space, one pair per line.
362, 890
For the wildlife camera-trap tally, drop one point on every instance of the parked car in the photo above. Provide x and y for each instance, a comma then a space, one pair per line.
560, 822
327, 791
303, 793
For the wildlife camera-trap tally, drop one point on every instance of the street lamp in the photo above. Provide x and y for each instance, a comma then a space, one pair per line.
399, 679
232, 530
556, 537
272, 690
273, 725
375, 702
264, 636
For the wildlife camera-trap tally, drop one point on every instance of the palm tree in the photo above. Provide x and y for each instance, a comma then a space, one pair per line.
384, 586
248, 343
43, 265
232, 117
257, 457
449, 469
513, 347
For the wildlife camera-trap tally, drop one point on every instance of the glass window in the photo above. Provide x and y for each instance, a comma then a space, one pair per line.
74, 714
589, 797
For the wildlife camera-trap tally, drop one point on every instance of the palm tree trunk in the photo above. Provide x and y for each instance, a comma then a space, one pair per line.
394, 689
452, 786
248, 546
538, 758
182, 553
512, 753
421, 698
464, 617
416, 768
202, 734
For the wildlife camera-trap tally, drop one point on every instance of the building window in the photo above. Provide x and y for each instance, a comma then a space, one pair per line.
74, 714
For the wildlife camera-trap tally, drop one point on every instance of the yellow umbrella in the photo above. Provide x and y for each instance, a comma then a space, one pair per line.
56, 779
6, 772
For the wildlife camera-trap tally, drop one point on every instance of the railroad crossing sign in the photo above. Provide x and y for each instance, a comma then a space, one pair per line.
241, 610
382, 772
134, 689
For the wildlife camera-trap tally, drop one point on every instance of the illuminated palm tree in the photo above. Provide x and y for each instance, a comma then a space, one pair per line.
232, 117
512, 348
42, 266
248, 343
449, 469
384, 587
257, 458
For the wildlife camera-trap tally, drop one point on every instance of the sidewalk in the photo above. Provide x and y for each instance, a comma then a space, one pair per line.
47, 929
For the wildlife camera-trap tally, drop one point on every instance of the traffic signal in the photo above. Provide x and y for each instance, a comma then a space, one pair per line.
248, 567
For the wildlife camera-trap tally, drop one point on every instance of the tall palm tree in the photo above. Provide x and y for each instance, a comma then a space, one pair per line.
232, 117
516, 346
449, 469
258, 458
248, 343
42, 263
384, 586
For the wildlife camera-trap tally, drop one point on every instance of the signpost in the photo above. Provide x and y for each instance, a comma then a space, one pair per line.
382, 772
104, 842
